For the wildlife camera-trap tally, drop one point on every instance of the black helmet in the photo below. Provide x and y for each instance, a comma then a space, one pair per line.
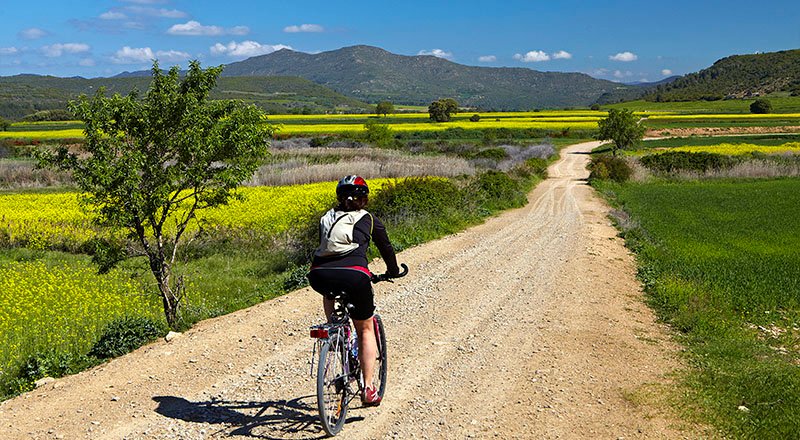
352, 186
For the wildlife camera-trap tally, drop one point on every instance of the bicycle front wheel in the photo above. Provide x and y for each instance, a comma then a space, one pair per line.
332, 385
381, 367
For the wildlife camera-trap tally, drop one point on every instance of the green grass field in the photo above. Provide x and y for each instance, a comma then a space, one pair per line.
720, 263
780, 104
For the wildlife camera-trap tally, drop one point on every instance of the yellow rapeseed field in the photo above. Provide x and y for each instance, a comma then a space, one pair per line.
737, 149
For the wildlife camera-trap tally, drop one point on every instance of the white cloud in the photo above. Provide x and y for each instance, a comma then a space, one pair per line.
32, 33
58, 49
86, 62
438, 53
487, 59
304, 28
193, 28
8, 50
155, 12
624, 57
245, 48
135, 55
533, 56
620, 74
113, 15
666, 72
562, 55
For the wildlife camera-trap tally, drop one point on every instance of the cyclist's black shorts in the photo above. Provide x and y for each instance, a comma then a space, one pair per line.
355, 283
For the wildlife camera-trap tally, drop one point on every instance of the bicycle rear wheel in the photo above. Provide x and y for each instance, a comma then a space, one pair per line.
381, 367
332, 385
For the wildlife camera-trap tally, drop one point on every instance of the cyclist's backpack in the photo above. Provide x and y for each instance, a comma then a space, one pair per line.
336, 232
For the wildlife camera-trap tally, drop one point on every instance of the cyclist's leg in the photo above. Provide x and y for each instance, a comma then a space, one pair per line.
367, 348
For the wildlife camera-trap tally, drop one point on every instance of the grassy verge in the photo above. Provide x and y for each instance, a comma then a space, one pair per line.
719, 262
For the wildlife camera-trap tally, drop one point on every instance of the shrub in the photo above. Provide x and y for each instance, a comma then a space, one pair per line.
125, 334
604, 167
673, 161
537, 166
761, 106
377, 134
475, 118
496, 191
595, 107
496, 154
415, 196
48, 115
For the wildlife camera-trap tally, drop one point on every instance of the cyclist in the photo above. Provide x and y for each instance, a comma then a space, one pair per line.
340, 265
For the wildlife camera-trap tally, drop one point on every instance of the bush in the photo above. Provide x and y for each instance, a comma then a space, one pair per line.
761, 106
126, 334
537, 166
673, 161
380, 135
415, 196
496, 191
48, 115
496, 154
475, 118
605, 167
595, 107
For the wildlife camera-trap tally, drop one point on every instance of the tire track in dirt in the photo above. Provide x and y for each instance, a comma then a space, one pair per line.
527, 326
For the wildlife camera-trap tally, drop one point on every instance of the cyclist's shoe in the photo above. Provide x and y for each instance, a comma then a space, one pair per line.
370, 397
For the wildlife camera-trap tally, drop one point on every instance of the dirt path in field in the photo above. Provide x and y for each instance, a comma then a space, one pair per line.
528, 326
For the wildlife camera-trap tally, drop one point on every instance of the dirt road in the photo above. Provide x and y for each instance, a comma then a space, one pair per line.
528, 326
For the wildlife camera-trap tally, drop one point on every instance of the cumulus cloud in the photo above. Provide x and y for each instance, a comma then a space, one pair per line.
620, 74
8, 50
487, 59
438, 53
245, 48
624, 57
32, 33
113, 15
666, 72
135, 55
562, 55
304, 28
533, 56
194, 28
58, 49
86, 62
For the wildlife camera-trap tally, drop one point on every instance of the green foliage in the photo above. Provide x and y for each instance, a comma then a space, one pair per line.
496, 191
761, 106
378, 134
672, 161
622, 127
384, 108
441, 110
159, 159
4, 124
48, 115
605, 167
414, 196
475, 118
595, 107
126, 334
719, 261
496, 154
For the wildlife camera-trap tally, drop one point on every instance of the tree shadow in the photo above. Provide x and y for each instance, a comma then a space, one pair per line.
262, 420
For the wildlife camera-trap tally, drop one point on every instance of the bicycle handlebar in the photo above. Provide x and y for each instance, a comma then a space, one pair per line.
387, 277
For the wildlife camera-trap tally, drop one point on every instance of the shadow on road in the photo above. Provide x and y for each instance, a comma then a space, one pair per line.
273, 420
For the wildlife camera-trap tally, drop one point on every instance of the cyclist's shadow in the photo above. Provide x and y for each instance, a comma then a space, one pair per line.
264, 420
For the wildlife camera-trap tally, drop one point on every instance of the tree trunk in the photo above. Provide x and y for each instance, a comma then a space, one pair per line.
170, 295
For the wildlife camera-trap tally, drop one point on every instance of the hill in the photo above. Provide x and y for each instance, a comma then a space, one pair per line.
21, 95
737, 76
373, 74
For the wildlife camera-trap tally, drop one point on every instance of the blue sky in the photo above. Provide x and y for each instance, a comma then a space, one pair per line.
618, 40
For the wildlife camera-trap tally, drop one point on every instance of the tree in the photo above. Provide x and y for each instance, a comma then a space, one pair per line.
622, 127
440, 110
377, 134
4, 124
150, 164
384, 108
761, 106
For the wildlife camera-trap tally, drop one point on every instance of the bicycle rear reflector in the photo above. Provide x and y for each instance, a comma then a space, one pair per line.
319, 333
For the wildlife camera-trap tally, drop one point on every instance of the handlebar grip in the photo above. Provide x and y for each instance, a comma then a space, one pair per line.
387, 277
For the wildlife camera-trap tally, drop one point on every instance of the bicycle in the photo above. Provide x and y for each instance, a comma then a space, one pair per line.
339, 378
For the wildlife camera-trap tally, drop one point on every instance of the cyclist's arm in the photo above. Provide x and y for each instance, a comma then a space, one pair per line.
381, 239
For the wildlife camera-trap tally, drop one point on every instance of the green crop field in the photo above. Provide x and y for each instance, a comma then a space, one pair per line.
720, 263
780, 104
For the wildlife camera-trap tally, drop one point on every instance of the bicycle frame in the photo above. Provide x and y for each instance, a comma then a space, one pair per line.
334, 333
